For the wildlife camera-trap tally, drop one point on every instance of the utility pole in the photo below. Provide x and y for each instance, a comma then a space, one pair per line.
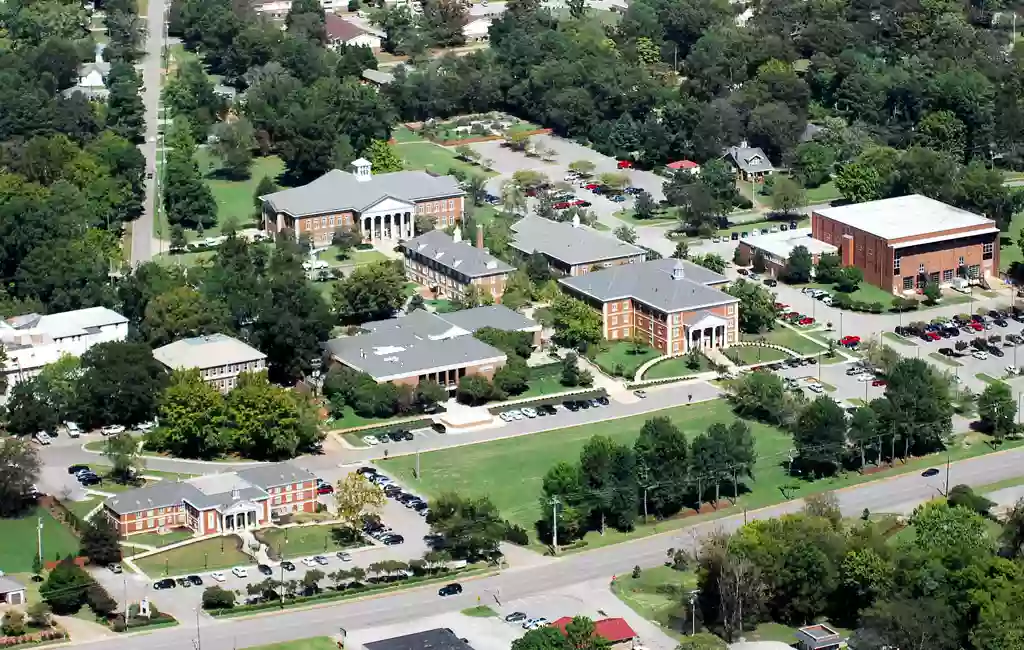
417, 463
947, 472
554, 501
645, 481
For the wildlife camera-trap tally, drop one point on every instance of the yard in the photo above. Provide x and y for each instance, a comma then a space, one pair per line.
309, 643
18, 546
434, 158
333, 256
867, 293
156, 540
823, 193
348, 419
745, 355
510, 471
205, 555
84, 507
659, 594
677, 367
623, 358
234, 197
787, 338
304, 540
1009, 248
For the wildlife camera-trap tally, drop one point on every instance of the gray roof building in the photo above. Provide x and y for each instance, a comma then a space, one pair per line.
456, 256
422, 342
750, 160
161, 494
378, 77
436, 639
668, 285
270, 475
569, 242
212, 351
338, 191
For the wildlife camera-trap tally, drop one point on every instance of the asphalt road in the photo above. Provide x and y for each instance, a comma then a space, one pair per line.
142, 229
893, 493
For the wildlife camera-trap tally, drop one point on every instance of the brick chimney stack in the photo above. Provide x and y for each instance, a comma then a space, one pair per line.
479, 235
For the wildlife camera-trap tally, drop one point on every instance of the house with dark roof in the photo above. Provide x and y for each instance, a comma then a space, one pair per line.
383, 207
751, 163
217, 503
440, 638
343, 32
449, 266
422, 346
673, 305
570, 247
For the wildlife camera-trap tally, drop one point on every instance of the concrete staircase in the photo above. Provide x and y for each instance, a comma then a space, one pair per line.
254, 548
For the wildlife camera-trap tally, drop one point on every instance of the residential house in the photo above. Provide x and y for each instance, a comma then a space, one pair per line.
751, 163
344, 32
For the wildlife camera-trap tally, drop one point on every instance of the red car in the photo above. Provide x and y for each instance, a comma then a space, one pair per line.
976, 326
591, 186
580, 203
806, 320
625, 164
780, 306
932, 336
562, 205
325, 488
849, 340
878, 382
792, 314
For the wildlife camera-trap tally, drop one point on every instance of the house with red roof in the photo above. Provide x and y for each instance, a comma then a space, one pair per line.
612, 630
344, 32
684, 165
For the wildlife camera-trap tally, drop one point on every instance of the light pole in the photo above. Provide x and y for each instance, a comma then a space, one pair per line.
199, 642
693, 614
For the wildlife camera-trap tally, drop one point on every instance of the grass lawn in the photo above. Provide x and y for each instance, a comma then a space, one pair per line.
84, 507
157, 540
510, 471
348, 419
626, 355
676, 367
441, 306
783, 633
987, 378
309, 643
1009, 250
184, 259
333, 256
941, 358
234, 197
401, 135
745, 355
661, 217
18, 545
480, 611
435, 158
204, 555
822, 193
867, 293
303, 540
547, 385
657, 595
787, 338
896, 338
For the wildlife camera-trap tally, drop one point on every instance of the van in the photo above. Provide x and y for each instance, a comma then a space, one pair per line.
72, 429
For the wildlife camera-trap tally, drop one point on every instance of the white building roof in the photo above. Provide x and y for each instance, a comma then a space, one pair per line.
210, 351
78, 322
904, 216
781, 244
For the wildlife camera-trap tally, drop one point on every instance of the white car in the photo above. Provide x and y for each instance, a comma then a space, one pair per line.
112, 430
1010, 370
516, 414
344, 557
308, 561
506, 416
642, 394
529, 412
534, 623
145, 426
240, 572
218, 576
865, 378
816, 388
979, 354
43, 438
72, 429
371, 440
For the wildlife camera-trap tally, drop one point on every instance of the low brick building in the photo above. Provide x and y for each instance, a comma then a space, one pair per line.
448, 266
903, 243
571, 248
672, 304
422, 346
217, 503
219, 358
776, 247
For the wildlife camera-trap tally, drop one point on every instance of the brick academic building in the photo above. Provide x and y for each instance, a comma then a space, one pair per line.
903, 243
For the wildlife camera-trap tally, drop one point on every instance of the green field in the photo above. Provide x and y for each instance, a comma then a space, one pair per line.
510, 471
205, 555
658, 595
84, 507
745, 355
822, 193
435, 158
787, 338
868, 293
303, 540
18, 540
234, 197
676, 367
310, 643
333, 256
624, 354
156, 540
1009, 249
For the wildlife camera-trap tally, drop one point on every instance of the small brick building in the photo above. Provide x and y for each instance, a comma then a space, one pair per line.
903, 243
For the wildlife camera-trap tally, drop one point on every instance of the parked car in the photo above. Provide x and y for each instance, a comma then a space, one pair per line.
240, 572
43, 438
112, 430
75, 469
288, 565
771, 282
642, 394
515, 617
978, 354
114, 567
393, 540
879, 382
624, 164
562, 205
325, 488
580, 203
344, 556
452, 589
218, 576
166, 583
72, 429
195, 580
320, 559
264, 569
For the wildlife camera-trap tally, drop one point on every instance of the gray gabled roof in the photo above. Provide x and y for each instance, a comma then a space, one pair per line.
275, 474
378, 76
652, 283
388, 355
161, 494
7, 585
496, 316
750, 159
338, 191
567, 243
211, 351
461, 257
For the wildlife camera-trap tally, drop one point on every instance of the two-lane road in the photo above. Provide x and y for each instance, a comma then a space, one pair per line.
878, 496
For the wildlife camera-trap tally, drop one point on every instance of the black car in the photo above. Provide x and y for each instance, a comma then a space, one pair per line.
548, 408
420, 507
571, 405
602, 400
396, 436
770, 282
393, 540
450, 590
264, 569
195, 580
515, 617
1000, 322
184, 582
584, 204
166, 583
287, 566
996, 352
89, 479
407, 435
583, 404
929, 472
948, 352
363, 471
74, 469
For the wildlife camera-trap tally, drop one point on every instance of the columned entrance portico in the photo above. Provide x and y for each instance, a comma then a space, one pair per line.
388, 220
706, 331
241, 515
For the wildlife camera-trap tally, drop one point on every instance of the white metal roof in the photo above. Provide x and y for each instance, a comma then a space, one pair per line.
904, 216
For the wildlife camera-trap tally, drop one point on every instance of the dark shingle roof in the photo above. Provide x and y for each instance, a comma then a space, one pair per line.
274, 474
436, 639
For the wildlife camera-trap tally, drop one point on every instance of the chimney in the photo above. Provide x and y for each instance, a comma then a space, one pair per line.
480, 236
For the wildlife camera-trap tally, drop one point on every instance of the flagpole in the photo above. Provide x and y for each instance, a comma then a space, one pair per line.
39, 539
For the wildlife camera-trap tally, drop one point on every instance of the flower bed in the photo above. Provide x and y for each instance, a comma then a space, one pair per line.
38, 638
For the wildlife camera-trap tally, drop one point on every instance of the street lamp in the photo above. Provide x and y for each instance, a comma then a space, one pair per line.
199, 642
